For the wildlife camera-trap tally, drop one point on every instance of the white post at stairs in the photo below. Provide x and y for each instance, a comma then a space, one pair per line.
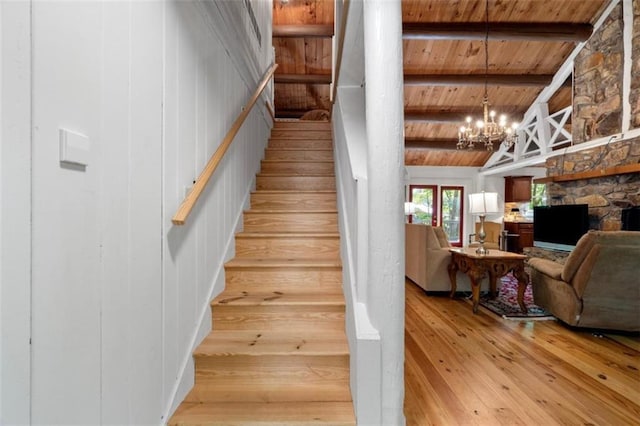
385, 169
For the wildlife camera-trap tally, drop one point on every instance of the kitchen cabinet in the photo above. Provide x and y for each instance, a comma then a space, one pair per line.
517, 189
521, 235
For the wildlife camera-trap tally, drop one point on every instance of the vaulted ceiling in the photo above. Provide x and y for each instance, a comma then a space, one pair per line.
444, 63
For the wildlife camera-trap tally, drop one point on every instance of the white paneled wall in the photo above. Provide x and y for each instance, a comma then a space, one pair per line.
120, 295
15, 208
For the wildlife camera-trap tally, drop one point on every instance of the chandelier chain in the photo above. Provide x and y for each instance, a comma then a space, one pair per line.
486, 50
487, 131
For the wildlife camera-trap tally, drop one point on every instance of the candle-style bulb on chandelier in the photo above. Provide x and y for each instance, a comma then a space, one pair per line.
487, 131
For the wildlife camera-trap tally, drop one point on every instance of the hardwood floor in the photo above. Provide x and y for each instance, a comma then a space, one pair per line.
465, 369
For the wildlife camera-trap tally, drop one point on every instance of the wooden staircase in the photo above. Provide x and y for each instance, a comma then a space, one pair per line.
278, 352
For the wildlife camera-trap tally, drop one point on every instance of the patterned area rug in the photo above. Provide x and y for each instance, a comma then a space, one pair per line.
506, 304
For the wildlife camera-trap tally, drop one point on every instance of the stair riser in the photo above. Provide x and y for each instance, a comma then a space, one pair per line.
288, 248
278, 317
284, 280
293, 201
271, 379
287, 167
298, 154
288, 391
296, 134
301, 183
259, 366
296, 413
302, 125
290, 222
301, 143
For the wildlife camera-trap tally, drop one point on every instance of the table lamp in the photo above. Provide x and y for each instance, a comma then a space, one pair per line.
480, 204
409, 209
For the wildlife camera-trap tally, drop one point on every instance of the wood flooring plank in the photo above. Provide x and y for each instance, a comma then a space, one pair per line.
515, 372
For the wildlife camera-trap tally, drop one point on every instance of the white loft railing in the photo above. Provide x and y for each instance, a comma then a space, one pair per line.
539, 135
557, 122
541, 132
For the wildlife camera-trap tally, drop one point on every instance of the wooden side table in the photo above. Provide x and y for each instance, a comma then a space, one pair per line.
496, 264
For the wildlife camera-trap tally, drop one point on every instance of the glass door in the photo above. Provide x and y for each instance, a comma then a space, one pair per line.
424, 197
452, 202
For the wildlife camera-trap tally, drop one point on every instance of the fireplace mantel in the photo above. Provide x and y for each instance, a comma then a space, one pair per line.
590, 174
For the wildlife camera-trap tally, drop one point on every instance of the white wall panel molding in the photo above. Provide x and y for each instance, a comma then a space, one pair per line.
15, 212
231, 23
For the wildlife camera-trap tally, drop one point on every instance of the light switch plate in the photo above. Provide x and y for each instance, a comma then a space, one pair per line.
74, 148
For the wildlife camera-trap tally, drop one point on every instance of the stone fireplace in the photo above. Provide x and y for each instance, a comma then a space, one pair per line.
606, 196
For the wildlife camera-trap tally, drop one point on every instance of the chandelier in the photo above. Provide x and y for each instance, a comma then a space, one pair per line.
487, 131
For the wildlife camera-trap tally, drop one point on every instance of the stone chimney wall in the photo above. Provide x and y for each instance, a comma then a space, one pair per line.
597, 112
597, 85
605, 196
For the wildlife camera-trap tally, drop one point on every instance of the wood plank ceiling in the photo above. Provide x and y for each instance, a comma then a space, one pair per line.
444, 63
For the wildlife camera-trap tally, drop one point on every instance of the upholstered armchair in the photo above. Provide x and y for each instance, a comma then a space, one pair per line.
599, 284
493, 233
427, 257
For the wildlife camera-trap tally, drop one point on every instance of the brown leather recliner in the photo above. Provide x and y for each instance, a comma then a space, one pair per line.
599, 284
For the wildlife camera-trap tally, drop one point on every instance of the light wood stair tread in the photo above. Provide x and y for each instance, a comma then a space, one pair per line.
295, 175
252, 211
297, 161
288, 234
286, 263
270, 342
278, 148
321, 137
307, 413
290, 191
266, 298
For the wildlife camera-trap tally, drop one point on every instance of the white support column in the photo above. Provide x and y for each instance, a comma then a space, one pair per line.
385, 168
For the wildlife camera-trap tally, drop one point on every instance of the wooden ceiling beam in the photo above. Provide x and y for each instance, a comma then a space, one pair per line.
310, 31
302, 78
444, 116
478, 79
434, 117
559, 31
431, 144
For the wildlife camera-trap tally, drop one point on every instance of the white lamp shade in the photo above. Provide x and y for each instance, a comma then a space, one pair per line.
409, 208
483, 203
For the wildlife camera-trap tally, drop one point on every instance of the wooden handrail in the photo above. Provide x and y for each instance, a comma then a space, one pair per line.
192, 197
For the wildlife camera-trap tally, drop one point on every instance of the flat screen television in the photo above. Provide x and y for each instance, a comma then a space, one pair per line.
559, 227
